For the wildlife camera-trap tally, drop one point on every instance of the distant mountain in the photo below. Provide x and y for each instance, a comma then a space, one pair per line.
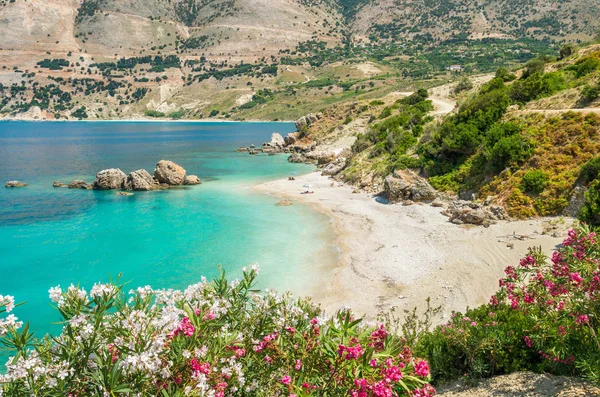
123, 57
255, 28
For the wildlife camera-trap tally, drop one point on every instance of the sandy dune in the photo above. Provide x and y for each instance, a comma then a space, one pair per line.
395, 256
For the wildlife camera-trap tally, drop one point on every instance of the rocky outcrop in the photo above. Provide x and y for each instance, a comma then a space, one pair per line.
191, 180
291, 138
405, 186
296, 158
110, 179
576, 202
169, 173
277, 141
306, 122
140, 180
79, 184
11, 184
335, 167
463, 212
59, 184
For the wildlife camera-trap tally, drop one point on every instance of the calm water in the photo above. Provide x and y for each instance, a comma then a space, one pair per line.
51, 236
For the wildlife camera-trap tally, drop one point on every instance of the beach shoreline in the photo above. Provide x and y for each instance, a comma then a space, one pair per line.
393, 256
144, 120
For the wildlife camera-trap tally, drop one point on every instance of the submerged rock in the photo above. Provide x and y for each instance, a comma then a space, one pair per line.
79, 184
284, 203
191, 180
127, 194
15, 184
169, 173
59, 184
110, 179
140, 180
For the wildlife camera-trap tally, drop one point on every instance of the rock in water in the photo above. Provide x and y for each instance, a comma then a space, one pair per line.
277, 140
78, 184
140, 180
169, 173
191, 180
59, 184
15, 184
110, 179
284, 203
296, 158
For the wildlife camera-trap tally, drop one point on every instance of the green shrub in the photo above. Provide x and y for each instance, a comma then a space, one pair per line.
464, 84
585, 66
386, 112
534, 182
591, 92
544, 318
505, 75
153, 113
590, 170
590, 212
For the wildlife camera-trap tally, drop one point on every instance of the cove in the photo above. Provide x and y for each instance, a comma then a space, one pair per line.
166, 239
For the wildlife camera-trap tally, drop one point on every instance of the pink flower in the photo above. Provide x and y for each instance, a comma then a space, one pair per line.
352, 352
291, 330
199, 368
583, 319
422, 369
392, 374
209, 316
298, 365
528, 341
286, 380
576, 277
268, 359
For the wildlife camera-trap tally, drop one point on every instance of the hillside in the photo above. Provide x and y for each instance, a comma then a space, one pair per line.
243, 59
527, 141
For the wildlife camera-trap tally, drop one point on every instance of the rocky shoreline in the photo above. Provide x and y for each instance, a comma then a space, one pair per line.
403, 187
167, 174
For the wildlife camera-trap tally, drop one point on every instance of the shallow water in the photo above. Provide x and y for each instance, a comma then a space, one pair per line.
51, 236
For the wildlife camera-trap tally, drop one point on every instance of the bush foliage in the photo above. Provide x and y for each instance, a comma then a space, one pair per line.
544, 318
213, 339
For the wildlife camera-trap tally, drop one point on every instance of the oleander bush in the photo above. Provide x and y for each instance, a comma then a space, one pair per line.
213, 339
545, 318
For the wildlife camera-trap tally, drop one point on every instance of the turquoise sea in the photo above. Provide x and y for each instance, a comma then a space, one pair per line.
51, 236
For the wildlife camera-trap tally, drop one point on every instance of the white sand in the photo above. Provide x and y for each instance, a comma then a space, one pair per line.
396, 256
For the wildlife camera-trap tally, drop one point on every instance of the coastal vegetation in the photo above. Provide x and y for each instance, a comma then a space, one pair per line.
215, 338
225, 338
529, 162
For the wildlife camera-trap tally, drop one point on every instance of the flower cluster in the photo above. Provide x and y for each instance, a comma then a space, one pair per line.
214, 339
544, 317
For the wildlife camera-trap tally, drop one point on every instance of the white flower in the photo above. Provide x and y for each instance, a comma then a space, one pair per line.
56, 295
100, 290
8, 323
255, 268
8, 302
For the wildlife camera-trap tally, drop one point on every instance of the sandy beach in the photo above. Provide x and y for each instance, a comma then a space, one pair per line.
397, 256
